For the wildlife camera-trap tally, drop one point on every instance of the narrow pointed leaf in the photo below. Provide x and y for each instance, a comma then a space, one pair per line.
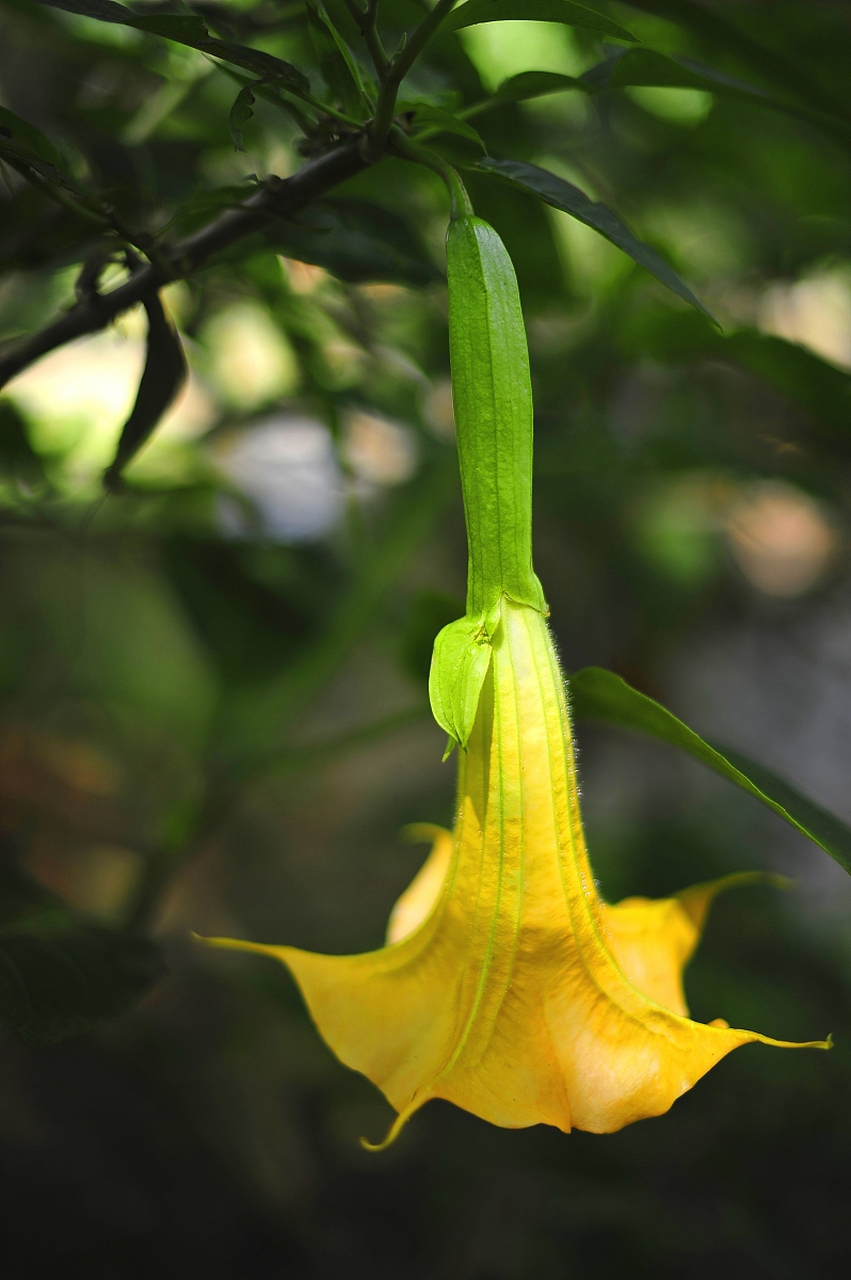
564, 195
537, 84
575, 15
60, 973
191, 31
24, 134
336, 60
355, 240
602, 695
816, 386
34, 156
162, 378
646, 67
240, 113
719, 31
436, 120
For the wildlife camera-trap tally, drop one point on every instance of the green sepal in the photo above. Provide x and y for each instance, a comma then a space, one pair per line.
459, 665
492, 395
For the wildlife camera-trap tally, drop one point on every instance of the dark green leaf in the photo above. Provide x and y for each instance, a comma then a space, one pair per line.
564, 195
33, 155
18, 459
197, 209
190, 31
26, 135
436, 120
356, 241
536, 84
185, 29
339, 68
61, 974
257, 62
719, 31
575, 15
162, 378
601, 695
240, 113
625, 67
816, 386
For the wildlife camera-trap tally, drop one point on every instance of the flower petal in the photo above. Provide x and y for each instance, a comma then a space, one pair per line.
511, 989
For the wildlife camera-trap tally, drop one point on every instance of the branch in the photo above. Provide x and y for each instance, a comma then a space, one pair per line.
277, 199
398, 67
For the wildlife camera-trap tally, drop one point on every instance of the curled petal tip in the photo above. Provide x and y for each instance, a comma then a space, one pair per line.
393, 1132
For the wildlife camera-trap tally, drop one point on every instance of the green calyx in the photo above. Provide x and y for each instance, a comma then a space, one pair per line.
492, 395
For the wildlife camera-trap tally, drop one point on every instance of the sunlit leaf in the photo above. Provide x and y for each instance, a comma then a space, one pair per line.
564, 195
575, 15
59, 973
602, 695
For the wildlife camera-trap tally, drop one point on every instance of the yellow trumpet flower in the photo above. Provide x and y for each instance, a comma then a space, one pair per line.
507, 986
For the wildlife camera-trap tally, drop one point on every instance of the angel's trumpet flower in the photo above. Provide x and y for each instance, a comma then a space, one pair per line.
507, 986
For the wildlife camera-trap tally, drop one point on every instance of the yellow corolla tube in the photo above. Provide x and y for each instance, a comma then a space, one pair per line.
507, 986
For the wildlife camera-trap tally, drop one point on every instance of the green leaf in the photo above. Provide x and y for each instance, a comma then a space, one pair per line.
716, 29
819, 388
162, 378
26, 135
435, 120
34, 156
356, 241
59, 973
459, 665
261, 64
18, 460
190, 31
633, 67
240, 113
575, 15
601, 695
337, 64
564, 195
536, 84
492, 394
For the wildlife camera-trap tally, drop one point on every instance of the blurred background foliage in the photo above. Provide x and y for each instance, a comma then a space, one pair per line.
214, 711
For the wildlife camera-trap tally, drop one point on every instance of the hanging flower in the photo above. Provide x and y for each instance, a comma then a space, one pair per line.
507, 986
